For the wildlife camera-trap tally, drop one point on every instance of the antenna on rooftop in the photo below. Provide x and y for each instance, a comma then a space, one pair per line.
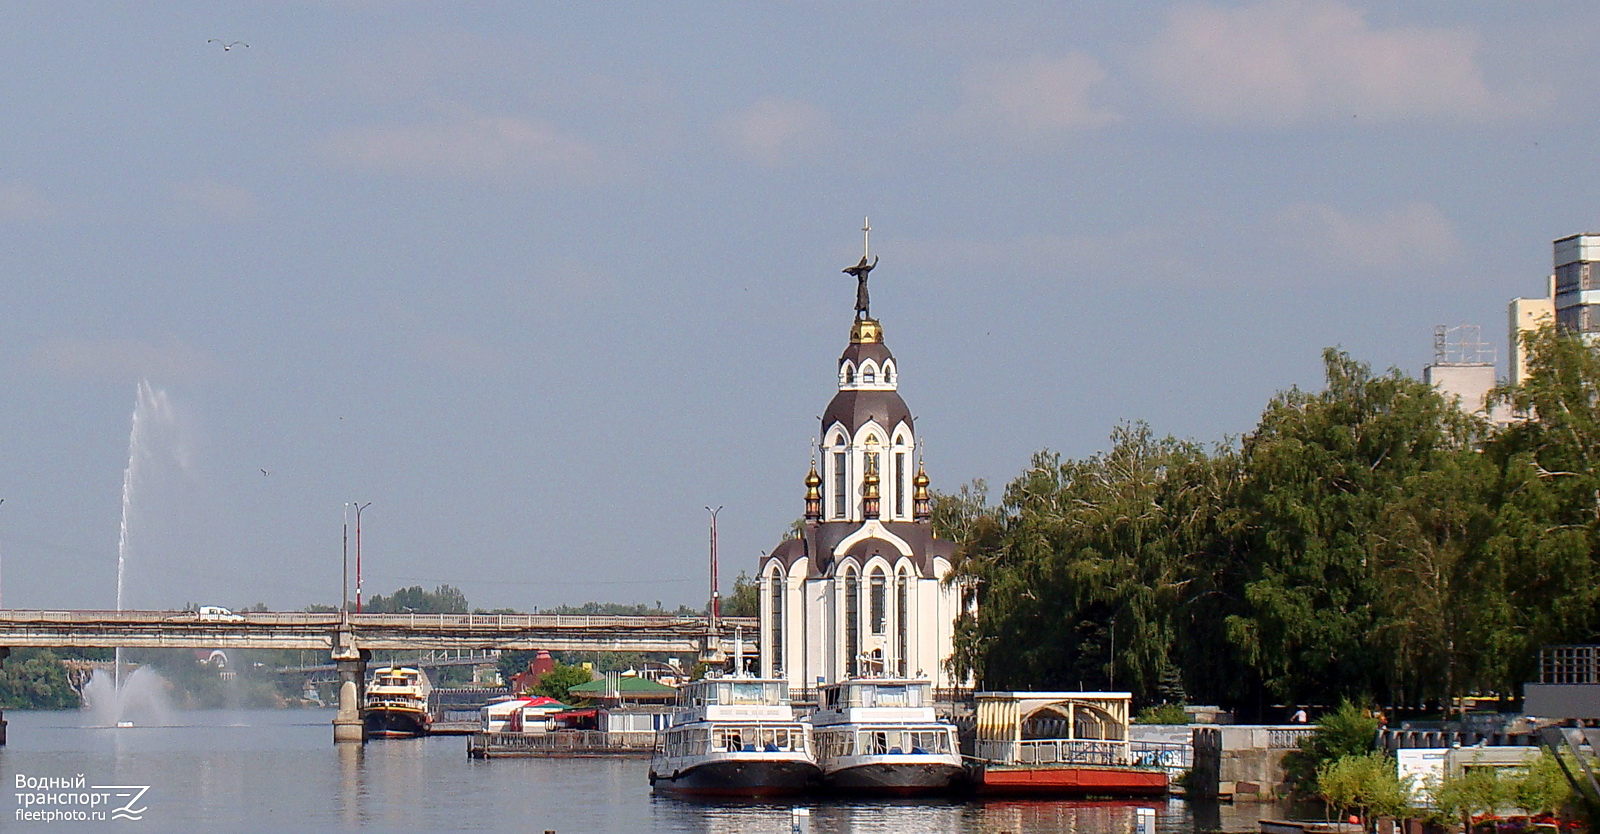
1461, 345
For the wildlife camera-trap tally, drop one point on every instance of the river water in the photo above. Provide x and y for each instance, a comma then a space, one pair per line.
279, 770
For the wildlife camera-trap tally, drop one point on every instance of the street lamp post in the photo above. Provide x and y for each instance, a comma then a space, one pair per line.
716, 595
344, 574
359, 508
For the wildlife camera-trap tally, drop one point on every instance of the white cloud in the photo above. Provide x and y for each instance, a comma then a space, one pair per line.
1388, 238
121, 359
774, 131
208, 200
1282, 62
468, 144
1035, 97
22, 202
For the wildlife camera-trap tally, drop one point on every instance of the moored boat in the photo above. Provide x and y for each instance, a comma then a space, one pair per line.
734, 736
397, 703
881, 736
1058, 744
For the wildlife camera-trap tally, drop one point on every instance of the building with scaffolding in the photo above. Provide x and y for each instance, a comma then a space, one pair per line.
1463, 370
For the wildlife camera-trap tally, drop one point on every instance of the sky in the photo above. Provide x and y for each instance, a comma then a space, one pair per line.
541, 282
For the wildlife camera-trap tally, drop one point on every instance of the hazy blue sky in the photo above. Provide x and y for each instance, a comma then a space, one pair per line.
540, 281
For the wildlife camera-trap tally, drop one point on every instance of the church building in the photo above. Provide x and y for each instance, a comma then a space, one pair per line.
858, 592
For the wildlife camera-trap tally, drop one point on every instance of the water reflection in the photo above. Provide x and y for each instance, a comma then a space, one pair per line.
272, 770
351, 758
922, 816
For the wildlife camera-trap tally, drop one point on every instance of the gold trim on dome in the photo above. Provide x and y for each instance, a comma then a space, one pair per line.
866, 332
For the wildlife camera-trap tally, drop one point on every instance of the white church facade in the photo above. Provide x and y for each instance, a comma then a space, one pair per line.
859, 590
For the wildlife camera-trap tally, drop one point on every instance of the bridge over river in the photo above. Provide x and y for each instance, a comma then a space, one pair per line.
351, 638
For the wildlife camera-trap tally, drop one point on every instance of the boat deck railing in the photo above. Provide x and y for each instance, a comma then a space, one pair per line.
561, 741
1040, 751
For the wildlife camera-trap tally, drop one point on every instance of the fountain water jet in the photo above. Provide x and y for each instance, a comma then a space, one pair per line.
151, 409
141, 699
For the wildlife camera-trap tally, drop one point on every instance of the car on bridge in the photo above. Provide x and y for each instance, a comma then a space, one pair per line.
218, 614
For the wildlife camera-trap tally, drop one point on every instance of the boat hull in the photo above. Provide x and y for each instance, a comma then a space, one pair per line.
393, 723
896, 779
1068, 780
739, 777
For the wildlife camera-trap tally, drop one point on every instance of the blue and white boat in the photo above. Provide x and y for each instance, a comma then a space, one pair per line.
882, 736
734, 736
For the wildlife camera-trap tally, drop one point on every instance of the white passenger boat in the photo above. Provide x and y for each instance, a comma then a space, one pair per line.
734, 736
397, 703
882, 736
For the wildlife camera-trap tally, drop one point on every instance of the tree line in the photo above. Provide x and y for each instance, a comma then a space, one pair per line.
1368, 541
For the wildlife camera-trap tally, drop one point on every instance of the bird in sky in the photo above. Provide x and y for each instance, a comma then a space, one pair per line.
265, 472
227, 46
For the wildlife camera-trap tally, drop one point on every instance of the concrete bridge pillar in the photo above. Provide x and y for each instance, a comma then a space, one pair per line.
349, 725
4, 653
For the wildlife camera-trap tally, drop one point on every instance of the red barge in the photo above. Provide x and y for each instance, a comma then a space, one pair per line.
1058, 744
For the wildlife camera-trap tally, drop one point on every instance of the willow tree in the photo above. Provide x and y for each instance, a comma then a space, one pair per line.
1548, 509
1318, 474
1081, 575
1443, 610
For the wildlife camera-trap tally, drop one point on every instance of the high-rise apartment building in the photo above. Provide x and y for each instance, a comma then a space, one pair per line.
1577, 284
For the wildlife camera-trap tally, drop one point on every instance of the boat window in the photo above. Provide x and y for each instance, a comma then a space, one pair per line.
873, 743
748, 693
893, 696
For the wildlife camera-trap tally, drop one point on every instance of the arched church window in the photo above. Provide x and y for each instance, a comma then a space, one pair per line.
888, 372
869, 375
900, 484
839, 481
849, 374
880, 614
852, 624
902, 620
775, 650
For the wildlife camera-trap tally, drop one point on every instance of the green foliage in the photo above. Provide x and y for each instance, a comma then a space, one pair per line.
1347, 731
954, 514
556, 682
1084, 576
445, 599
35, 679
745, 601
1366, 783
1162, 714
1542, 787
1367, 541
1475, 791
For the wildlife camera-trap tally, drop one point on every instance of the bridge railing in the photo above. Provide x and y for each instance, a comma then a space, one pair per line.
691, 625
431, 622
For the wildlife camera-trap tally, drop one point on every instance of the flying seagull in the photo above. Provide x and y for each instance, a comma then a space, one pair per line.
228, 45
265, 472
